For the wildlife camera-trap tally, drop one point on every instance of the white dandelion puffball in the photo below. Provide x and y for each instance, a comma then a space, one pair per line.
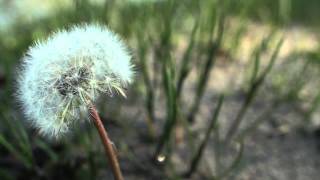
61, 76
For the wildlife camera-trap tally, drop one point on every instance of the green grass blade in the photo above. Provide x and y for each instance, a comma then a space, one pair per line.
185, 69
234, 164
251, 95
171, 110
214, 45
196, 159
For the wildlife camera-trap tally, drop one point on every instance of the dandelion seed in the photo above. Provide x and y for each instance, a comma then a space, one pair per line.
62, 75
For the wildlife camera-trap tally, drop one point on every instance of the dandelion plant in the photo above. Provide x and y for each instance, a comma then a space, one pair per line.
62, 77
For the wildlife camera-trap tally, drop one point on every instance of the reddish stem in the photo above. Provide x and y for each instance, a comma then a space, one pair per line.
107, 143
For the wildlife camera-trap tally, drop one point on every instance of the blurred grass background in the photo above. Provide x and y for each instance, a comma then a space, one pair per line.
225, 89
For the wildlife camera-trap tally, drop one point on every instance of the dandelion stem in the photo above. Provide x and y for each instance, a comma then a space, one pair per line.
107, 143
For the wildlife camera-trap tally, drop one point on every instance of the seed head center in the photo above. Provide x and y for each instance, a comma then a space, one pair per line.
70, 82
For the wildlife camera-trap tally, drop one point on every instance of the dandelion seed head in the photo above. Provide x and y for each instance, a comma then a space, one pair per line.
61, 75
